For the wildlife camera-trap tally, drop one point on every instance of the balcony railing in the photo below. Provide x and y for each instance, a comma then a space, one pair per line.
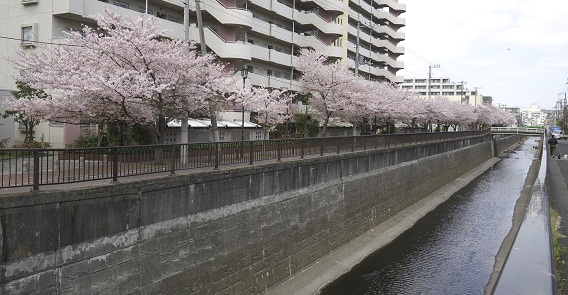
40, 167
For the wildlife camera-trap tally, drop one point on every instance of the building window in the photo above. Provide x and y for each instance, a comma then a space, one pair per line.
29, 34
161, 15
269, 72
142, 9
120, 3
258, 135
174, 19
221, 135
250, 69
277, 74
287, 76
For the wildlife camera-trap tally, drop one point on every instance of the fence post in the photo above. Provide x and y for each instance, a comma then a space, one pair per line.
36, 170
321, 145
114, 164
251, 152
279, 151
217, 154
173, 158
354, 143
302, 144
338, 146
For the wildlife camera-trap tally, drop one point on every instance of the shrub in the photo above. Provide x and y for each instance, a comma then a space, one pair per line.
4, 143
89, 138
36, 145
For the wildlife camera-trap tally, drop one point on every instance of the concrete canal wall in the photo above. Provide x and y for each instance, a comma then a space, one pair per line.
230, 231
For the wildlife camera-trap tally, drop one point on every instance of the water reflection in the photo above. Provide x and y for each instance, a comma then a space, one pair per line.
451, 250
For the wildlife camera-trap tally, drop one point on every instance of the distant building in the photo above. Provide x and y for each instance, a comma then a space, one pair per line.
454, 91
536, 116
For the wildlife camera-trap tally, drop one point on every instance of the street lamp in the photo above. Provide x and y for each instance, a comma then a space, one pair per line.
244, 74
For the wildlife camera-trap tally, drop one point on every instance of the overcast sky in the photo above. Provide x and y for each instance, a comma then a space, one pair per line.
513, 50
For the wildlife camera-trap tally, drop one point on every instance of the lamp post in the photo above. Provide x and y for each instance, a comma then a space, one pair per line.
244, 74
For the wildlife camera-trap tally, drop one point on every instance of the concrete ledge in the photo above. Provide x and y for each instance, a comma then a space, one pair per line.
328, 269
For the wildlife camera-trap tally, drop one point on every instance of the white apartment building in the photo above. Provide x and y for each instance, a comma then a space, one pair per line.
263, 36
445, 87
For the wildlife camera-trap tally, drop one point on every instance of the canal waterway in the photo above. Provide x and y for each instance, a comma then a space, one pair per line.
452, 250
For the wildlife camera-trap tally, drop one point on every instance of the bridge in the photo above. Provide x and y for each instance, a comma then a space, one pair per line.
517, 130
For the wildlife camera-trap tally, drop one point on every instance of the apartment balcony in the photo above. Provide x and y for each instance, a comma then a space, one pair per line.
376, 59
274, 56
397, 21
400, 36
392, 4
271, 30
398, 50
231, 16
273, 82
315, 43
361, 5
311, 18
365, 70
329, 5
274, 6
222, 48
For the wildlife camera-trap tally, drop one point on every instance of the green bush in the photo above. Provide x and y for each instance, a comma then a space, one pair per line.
35, 145
4, 143
88, 139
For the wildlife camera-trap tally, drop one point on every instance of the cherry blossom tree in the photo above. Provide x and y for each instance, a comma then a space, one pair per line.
24, 94
329, 83
121, 71
269, 104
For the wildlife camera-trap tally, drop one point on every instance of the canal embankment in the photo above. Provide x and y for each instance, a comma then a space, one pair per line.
235, 230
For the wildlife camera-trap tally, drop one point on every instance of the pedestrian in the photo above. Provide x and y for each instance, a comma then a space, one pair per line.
552, 142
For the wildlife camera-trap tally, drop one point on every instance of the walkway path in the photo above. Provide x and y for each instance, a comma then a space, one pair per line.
557, 188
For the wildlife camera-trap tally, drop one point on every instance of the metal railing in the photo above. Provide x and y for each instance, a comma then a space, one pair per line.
38, 167
517, 130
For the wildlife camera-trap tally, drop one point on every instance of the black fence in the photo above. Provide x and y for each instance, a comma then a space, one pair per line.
37, 167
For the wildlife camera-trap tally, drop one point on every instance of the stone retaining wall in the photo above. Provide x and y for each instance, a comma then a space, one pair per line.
231, 231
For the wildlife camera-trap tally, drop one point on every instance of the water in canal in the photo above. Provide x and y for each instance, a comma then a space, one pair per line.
452, 250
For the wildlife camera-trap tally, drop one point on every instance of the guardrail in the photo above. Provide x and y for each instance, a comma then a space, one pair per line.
529, 268
38, 167
517, 130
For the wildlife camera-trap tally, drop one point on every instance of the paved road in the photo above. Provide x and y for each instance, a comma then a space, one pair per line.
557, 189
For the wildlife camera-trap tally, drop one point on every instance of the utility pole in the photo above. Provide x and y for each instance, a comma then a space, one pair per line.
200, 24
430, 67
184, 137
357, 56
292, 55
357, 49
